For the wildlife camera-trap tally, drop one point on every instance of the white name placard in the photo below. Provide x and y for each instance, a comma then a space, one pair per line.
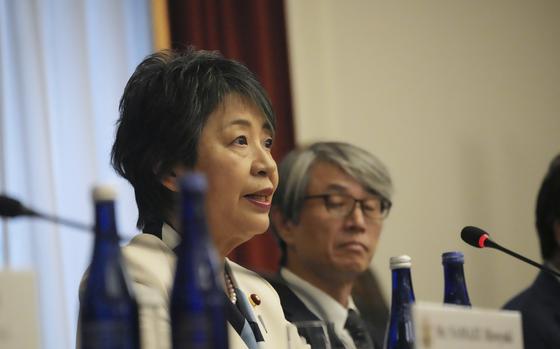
438, 326
19, 322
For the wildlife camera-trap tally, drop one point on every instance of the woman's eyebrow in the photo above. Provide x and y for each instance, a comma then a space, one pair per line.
238, 122
247, 123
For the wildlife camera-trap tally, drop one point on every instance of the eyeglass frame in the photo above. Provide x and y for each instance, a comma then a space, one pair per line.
385, 205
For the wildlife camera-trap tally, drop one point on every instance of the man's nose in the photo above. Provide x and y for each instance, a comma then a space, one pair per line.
356, 217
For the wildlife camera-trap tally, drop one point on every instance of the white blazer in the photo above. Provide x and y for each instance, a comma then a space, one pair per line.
150, 263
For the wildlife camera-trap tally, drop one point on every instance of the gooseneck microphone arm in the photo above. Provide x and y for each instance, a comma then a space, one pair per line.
10, 207
64, 221
494, 245
479, 238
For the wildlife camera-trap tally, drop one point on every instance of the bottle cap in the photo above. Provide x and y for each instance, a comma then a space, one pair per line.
104, 192
400, 262
452, 257
193, 182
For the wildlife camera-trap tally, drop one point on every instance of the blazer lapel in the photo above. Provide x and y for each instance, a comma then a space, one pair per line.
250, 331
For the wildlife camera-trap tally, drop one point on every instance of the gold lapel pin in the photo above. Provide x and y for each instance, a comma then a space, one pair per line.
254, 300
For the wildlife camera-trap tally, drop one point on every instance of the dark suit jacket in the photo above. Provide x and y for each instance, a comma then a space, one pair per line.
296, 311
540, 310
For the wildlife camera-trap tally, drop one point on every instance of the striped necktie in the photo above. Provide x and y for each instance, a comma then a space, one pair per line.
357, 329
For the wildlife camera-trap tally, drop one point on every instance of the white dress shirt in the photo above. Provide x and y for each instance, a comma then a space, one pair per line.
322, 305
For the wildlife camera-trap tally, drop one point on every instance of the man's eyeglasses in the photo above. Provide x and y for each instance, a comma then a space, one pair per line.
342, 205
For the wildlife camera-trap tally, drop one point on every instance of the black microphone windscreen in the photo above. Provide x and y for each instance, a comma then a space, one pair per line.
471, 235
11, 207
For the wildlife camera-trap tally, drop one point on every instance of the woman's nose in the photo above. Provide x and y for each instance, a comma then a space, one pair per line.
263, 164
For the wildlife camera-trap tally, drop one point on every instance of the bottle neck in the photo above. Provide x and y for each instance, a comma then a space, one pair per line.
453, 272
105, 222
193, 229
402, 293
455, 285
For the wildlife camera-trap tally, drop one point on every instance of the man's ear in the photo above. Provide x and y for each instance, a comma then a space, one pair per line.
169, 180
284, 227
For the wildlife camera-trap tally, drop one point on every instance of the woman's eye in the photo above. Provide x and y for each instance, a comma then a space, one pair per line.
241, 140
268, 143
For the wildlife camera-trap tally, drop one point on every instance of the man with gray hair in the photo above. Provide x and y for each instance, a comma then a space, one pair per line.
327, 213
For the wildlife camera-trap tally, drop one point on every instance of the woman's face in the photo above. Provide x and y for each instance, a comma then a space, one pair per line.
234, 154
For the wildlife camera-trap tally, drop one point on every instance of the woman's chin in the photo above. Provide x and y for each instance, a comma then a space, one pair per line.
254, 230
234, 234
254, 225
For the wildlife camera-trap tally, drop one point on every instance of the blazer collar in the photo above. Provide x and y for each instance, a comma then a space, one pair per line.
169, 236
164, 232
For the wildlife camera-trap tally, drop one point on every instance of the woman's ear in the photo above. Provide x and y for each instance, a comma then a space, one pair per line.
169, 180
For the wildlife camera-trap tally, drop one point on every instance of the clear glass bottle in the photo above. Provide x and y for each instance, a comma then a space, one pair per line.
400, 333
455, 290
108, 310
197, 308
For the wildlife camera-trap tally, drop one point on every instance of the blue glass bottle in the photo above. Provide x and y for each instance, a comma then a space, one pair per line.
108, 310
197, 308
400, 333
455, 291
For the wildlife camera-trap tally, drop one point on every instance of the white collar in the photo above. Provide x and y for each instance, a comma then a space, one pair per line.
169, 236
319, 303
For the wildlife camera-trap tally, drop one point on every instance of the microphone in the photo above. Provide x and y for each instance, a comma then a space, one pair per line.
11, 208
479, 238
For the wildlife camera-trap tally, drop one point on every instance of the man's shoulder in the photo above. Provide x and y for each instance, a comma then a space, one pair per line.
519, 301
538, 306
540, 309
294, 308
542, 293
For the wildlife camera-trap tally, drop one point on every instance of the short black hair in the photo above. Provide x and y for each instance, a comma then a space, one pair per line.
163, 110
548, 209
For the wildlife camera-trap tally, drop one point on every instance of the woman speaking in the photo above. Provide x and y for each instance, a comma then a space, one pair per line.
196, 110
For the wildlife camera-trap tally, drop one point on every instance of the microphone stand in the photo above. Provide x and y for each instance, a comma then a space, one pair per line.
63, 221
15, 209
492, 244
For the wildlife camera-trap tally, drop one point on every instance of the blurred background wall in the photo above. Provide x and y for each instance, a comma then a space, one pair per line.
461, 100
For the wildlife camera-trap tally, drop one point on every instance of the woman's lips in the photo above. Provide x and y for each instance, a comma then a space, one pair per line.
259, 201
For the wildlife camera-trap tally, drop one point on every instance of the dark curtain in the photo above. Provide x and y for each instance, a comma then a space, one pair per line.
252, 32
